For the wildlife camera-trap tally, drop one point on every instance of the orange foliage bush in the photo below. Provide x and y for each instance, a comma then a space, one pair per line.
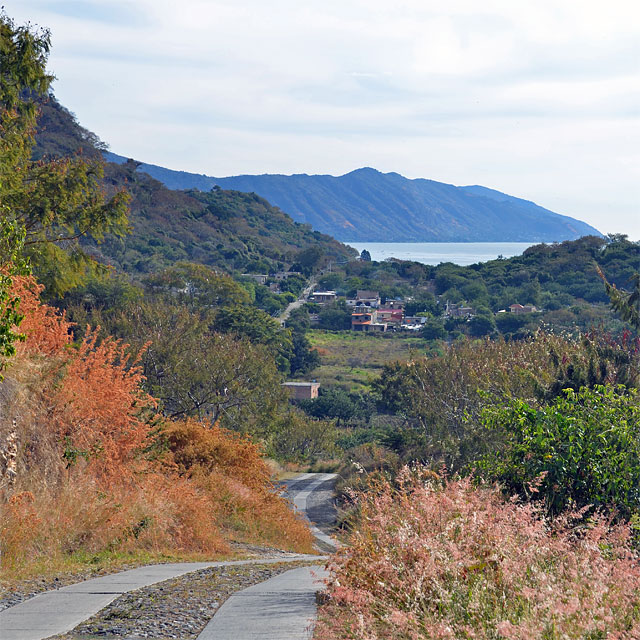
46, 331
122, 478
99, 407
230, 466
200, 450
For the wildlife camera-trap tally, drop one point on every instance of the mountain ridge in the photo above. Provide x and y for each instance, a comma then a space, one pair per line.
366, 205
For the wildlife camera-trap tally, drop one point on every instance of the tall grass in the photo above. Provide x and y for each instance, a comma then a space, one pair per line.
433, 559
95, 470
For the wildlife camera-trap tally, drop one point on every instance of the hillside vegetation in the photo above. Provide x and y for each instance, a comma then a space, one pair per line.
227, 229
108, 452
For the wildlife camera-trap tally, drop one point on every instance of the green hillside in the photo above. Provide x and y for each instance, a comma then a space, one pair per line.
228, 229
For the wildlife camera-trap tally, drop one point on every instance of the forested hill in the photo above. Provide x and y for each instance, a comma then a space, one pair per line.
367, 205
228, 229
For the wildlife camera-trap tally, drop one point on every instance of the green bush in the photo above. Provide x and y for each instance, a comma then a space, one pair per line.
582, 450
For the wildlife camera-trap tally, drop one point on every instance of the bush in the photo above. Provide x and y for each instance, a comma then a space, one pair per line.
582, 450
88, 467
447, 560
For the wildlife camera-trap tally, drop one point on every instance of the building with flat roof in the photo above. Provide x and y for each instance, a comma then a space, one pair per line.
323, 296
302, 390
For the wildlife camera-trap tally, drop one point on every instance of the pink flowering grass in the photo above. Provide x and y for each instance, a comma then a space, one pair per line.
435, 559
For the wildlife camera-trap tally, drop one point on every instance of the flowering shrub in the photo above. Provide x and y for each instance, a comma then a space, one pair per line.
444, 559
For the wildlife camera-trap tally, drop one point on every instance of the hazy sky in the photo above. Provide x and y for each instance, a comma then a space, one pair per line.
539, 99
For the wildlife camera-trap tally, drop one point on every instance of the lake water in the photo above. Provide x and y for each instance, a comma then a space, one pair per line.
462, 253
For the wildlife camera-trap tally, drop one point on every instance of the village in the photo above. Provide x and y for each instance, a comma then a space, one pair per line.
369, 313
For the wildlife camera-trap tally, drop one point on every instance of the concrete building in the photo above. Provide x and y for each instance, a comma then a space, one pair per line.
260, 278
370, 298
302, 390
322, 297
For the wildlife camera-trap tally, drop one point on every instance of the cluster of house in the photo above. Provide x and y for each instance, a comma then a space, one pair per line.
369, 314
274, 278
463, 311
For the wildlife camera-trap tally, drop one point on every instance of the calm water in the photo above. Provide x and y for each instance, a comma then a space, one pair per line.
461, 253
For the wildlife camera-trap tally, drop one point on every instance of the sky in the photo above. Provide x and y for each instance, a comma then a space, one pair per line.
539, 99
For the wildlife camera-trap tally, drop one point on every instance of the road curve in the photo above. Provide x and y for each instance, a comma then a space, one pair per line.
288, 602
312, 494
283, 607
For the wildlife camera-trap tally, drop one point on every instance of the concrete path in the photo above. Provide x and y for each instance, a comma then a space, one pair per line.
281, 608
300, 490
58, 611
61, 610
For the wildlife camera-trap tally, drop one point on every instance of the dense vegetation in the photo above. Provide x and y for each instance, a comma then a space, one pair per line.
135, 413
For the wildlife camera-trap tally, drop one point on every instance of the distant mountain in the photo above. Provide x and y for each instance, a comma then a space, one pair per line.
368, 206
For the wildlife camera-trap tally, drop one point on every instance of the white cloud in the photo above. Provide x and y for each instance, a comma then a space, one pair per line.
536, 98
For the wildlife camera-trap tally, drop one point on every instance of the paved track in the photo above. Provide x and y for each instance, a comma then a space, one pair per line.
61, 610
283, 607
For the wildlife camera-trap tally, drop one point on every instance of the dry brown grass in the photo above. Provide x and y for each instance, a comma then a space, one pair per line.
86, 483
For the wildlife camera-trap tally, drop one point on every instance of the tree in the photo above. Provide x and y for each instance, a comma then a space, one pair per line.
332, 403
196, 372
259, 327
197, 285
23, 56
365, 255
627, 304
335, 317
482, 325
309, 258
49, 203
433, 329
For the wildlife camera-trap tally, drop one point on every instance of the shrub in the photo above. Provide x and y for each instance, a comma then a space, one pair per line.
583, 449
88, 467
444, 559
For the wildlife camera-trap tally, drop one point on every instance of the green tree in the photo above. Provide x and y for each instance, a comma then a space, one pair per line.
197, 372
309, 258
335, 317
627, 304
298, 438
51, 202
197, 285
260, 328
482, 325
433, 329
23, 57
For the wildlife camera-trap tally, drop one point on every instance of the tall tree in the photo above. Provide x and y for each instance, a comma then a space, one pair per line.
45, 206
626, 303
23, 55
